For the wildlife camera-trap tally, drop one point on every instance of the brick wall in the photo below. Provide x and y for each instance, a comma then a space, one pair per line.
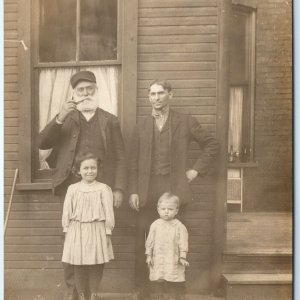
268, 187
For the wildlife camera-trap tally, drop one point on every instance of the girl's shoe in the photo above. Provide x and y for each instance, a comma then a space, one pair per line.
81, 296
94, 297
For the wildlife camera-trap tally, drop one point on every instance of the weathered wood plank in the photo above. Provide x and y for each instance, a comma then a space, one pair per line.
11, 95
170, 21
10, 7
58, 248
178, 30
58, 265
56, 240
203, 110
181, 101
177, 12
177, 3
171, 66
178, 75
177, 48
189, 92
174, 57
11, 78
10, 49
50, 223
58, 231
10, 61
180, 84
10, 16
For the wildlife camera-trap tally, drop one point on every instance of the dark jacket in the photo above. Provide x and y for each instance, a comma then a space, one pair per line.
63, 139
183, 129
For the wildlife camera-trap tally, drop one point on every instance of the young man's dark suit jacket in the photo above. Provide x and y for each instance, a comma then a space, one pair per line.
183, 129
63, 139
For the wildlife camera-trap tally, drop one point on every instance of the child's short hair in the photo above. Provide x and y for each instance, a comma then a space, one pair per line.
170, 197
82, 157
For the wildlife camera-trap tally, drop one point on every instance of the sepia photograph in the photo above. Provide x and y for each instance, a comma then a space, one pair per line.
148, 150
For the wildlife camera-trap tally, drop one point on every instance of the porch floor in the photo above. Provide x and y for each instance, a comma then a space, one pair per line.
260, 233
30, 295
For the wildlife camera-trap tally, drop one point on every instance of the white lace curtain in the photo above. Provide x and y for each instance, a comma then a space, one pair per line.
235, 119
55, 88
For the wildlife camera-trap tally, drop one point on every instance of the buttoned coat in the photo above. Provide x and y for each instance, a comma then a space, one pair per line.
183, 129
63, 139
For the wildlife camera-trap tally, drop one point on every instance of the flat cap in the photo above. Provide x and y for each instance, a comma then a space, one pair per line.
82, 76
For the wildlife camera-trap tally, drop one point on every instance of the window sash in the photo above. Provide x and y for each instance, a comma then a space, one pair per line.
38, 64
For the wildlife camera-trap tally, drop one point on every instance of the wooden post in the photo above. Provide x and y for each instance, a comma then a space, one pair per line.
222, 136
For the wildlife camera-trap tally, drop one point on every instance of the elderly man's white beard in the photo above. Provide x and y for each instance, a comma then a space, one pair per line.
87, 105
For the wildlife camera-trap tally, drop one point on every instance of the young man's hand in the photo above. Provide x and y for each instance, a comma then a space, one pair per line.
184, 262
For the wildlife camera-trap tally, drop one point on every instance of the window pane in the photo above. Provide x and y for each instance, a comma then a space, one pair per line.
238, 48
98, 36
57, 35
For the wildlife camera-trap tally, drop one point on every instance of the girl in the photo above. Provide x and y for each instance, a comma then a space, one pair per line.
88, 221
166, 250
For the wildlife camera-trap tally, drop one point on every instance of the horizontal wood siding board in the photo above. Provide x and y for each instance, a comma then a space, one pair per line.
183, 101
170, 66
177, 48
176, 3
170, 21
177, 57
57, 248
56, 256
178, 30
203, 110
177, 84
58, 265
178, 75
177, 12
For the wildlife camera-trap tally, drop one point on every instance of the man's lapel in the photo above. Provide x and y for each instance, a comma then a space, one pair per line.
174, 122
102, 119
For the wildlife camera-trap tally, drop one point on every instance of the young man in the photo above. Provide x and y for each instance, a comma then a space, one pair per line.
158, 164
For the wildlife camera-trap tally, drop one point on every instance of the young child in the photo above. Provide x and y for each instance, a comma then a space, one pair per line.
88, 221
166, 250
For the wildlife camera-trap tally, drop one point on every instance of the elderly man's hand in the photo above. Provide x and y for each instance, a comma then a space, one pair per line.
134, 201
191, 174
118, 198
67, 107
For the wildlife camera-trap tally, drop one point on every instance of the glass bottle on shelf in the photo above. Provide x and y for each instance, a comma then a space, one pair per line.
231, 154
245, 154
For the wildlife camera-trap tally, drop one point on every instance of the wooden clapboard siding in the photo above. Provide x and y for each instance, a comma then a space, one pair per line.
11, 112
177, 40
34, 234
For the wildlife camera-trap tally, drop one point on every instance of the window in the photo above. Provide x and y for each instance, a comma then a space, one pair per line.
242, 84
64, 37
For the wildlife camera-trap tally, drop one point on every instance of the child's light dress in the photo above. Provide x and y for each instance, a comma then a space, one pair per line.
88, 220
167, 241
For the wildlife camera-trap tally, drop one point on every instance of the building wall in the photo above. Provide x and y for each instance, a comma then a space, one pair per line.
178, 41
268, 187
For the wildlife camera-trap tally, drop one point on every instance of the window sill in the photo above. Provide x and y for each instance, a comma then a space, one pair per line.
252, 164
34, 186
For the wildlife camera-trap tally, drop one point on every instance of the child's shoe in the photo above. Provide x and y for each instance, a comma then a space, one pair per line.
94, 296
81, 296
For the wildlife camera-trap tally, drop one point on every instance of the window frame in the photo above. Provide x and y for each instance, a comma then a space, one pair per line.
28, 84
250, 64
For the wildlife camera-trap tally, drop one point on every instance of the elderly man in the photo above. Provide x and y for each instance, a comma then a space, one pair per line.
158, 160
82, 126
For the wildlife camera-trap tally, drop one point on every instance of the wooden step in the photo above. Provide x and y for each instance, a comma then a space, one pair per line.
258, 286
257, 262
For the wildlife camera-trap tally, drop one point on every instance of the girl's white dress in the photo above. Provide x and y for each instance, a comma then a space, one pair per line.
167, 241
88, 220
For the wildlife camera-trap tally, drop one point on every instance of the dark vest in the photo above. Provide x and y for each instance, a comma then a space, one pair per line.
161, 150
